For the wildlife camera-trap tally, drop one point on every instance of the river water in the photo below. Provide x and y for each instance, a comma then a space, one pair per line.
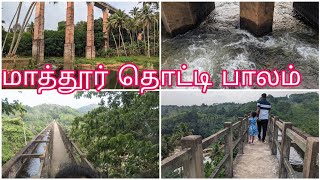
218, 44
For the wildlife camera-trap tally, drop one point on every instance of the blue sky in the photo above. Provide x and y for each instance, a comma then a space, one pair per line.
57, 12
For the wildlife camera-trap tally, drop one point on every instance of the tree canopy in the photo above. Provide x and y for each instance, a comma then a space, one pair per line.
121, 136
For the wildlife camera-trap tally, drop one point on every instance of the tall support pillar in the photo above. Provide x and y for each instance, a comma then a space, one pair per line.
256, 17
69, 47
38, 35
90, 49
105, 28
180, 17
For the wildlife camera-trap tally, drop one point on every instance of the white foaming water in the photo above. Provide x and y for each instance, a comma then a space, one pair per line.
219, 44
236, 63
308, 52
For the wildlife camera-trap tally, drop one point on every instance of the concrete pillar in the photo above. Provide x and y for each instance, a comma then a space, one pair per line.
194, 167
241, 136
285, 150
310, 169
179, 17
228, 150
38, 35
256, 17
105, 28
275, 135
90, 49
69, 47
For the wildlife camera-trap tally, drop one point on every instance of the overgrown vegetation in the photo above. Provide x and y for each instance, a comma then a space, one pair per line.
120, 135
17, 118
134, 35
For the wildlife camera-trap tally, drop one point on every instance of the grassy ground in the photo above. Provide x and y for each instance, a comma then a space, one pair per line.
146, 62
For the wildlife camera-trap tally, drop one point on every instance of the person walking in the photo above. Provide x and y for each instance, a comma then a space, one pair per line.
253, 130
263, 109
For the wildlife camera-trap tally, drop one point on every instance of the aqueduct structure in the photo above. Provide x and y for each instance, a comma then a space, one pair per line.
69, 46
256, 17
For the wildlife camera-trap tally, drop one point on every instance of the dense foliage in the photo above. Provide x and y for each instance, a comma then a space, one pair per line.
17, 118
42, 115
121, 136
13, 137
300, 109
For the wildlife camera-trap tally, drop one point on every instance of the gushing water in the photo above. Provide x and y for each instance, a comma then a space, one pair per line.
219, 44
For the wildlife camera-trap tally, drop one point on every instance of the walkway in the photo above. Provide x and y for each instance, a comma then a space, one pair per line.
60, 155
256, 162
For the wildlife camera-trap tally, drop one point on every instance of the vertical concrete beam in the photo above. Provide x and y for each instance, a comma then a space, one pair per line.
275, 135
228, 150
310, 169
241, 144
247, 135
179, 17
105, 28
69, 47
285, 150
256, 17
90, 49
38, 35
193, 168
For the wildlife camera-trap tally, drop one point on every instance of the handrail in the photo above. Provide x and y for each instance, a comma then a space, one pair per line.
175, 161
219, 167
191, 156
213, 138
193, 147
300, 141
307, 144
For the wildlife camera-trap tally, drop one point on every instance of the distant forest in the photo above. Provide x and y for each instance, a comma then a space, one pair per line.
179, 121
34, 118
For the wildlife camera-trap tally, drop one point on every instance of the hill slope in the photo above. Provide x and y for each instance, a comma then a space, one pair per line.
85, 109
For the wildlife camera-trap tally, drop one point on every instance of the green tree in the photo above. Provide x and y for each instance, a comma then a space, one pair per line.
121, 136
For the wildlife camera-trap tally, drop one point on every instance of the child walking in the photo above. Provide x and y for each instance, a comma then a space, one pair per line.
253, 130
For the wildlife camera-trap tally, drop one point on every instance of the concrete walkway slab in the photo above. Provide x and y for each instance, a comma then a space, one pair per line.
256, 162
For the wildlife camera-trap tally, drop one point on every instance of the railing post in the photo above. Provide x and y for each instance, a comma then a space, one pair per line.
275, 136
270, 129
285, 149
193, 168
228, 150
246, 127
240, 149
310, 168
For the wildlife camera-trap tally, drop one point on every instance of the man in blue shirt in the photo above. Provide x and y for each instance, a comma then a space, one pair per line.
263, 109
